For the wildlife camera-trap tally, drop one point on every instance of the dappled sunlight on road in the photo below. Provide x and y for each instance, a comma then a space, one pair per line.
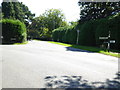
79, 82
39, 62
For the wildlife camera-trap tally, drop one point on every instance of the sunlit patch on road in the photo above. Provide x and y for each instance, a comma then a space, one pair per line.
79, 82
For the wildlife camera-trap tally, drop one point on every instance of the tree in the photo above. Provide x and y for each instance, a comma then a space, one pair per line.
13, 29
47, 22
28, 16
97, 10
17, 10
8, 10
1, 14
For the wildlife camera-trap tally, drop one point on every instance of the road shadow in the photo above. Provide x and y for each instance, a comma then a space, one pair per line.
89, 49
77, 50
70, 82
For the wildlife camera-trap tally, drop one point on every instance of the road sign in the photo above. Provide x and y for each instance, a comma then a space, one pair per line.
108, 40
13, 38
103, 37
105, 42
2, 37
112, 41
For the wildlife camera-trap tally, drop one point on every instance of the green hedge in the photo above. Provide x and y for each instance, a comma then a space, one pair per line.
65, 34
13, 29
87, 33
90, 32
111, 24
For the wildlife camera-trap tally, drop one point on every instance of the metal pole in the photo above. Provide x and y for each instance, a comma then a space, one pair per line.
77, 37
109, 41
108, 46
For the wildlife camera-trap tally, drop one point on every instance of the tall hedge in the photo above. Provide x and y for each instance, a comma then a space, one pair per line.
65, 34
111, 24
13, 31
90, 31
87, 33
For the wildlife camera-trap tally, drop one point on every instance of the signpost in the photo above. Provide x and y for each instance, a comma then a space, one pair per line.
108, 40
112, 41
77, 36
1, 37
13, 39
103, 38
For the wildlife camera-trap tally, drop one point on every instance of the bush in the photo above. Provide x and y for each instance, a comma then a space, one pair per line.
109, 24
87, 33
90, 31
13, 31
33, 34
65, 34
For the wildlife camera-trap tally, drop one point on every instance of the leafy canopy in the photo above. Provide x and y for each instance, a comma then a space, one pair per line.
47, 22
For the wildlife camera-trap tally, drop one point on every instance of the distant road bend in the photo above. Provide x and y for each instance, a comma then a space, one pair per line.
40, 64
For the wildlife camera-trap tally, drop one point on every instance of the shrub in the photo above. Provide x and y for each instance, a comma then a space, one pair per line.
90, 31
65, 34
87, 33
13, 29
33, 34
109, 24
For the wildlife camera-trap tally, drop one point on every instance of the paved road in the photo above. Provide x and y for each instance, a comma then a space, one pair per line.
40, 64
0, 68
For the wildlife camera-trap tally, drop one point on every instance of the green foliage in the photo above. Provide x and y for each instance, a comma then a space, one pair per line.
13, 29
105, 17
90, 31
87, 33
109, 24
17, 10
33, 34
97, 10
88, 48
8, 10
45, 33
65, 34
47, 22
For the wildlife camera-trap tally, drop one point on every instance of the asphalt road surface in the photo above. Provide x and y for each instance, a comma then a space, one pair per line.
0, 67
40, 64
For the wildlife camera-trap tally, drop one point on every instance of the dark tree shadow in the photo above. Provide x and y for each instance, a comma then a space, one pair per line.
74, 82
89, 49
77, 50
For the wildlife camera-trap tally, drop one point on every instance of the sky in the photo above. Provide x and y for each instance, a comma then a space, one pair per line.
70, 8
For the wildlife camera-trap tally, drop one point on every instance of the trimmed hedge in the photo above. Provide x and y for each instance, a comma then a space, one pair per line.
87, 33
111, 24
13, 31
65, 34
90, 31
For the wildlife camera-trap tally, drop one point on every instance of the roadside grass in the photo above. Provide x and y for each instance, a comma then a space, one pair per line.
21, 43
37, 40
114, 53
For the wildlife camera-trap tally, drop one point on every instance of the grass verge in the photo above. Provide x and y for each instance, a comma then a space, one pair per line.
92, 49
21, 43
